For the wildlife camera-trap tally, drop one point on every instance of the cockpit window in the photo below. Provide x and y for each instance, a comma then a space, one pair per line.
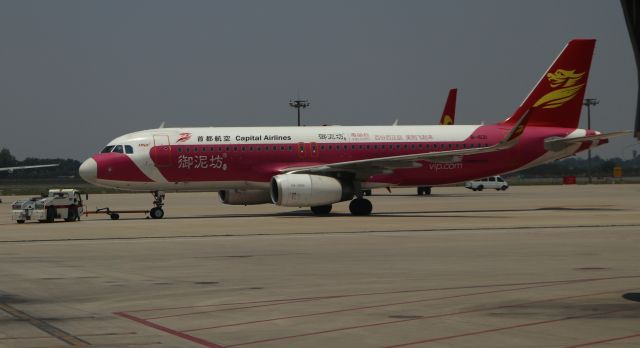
107, 149
128, 149
118, 149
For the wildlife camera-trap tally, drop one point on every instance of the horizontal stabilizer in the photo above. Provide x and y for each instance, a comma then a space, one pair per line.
559, 144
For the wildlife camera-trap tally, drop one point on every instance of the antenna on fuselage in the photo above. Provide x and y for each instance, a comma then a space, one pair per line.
161, 125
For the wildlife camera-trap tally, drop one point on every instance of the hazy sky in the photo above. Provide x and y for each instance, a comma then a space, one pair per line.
76, 74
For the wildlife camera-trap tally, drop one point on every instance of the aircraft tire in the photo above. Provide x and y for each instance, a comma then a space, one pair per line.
321, 209
156, 213
20, 221
360, 207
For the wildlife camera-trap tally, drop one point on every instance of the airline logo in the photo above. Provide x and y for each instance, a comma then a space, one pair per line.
567, 81
447, 120
183, 137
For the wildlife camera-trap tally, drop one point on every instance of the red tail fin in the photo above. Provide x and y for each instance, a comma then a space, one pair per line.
449, 112
556, 101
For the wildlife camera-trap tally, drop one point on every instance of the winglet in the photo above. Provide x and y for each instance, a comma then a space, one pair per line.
449, 112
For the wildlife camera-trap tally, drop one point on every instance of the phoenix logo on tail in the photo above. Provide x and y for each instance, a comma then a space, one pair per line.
567, 80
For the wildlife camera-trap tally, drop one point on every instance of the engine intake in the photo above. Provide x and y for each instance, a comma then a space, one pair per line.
306, 190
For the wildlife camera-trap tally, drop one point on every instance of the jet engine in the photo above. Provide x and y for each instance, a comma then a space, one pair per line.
244, 197
306, 190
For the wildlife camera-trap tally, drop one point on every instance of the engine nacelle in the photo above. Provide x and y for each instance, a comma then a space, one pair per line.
244, 197
306, 190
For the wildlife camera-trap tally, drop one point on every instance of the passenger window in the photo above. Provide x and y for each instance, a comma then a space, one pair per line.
492, 179
118, 149
360, 147
259, 148
368, 147
204, 149
250, 148
128, 149
195, 149
179, 150
290, 147
266, 148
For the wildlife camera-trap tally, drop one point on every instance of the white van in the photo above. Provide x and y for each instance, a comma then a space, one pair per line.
492, 182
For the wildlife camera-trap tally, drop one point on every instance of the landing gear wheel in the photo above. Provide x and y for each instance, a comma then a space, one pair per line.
20, 221
115, 216
424, 190
156, 213
321, 209
360, 207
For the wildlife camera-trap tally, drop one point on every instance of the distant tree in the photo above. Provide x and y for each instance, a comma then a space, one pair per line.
7, 159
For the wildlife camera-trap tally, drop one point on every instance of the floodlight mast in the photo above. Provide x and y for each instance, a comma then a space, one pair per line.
299, 103
588, 102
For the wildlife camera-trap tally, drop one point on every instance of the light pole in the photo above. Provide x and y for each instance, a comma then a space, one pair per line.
299, 103
588, 102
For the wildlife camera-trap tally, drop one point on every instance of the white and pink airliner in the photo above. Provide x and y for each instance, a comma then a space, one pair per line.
318, 166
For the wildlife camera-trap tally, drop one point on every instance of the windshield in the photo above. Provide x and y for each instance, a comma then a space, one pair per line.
107, 149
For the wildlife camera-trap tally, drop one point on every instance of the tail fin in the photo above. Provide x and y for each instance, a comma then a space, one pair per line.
556, 101
449, 112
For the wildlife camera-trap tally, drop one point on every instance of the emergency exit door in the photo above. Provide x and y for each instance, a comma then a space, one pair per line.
161, 153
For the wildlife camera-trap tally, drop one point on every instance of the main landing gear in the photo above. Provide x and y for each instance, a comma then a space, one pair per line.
424, 190
158, 201
360, 207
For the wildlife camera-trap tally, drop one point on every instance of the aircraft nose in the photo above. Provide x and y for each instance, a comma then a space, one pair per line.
89, 170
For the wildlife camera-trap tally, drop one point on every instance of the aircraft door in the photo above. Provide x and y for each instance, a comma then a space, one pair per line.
161, 153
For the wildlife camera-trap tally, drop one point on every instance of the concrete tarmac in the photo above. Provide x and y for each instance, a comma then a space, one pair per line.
538, 266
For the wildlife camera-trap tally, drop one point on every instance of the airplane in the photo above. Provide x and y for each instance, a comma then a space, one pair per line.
12, 169
317, 167
449, 113
448, 118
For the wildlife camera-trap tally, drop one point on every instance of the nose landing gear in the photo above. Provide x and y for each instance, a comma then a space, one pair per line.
158, 201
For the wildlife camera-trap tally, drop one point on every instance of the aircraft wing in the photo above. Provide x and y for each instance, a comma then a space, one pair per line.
11, 169
380, 165
558, 144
